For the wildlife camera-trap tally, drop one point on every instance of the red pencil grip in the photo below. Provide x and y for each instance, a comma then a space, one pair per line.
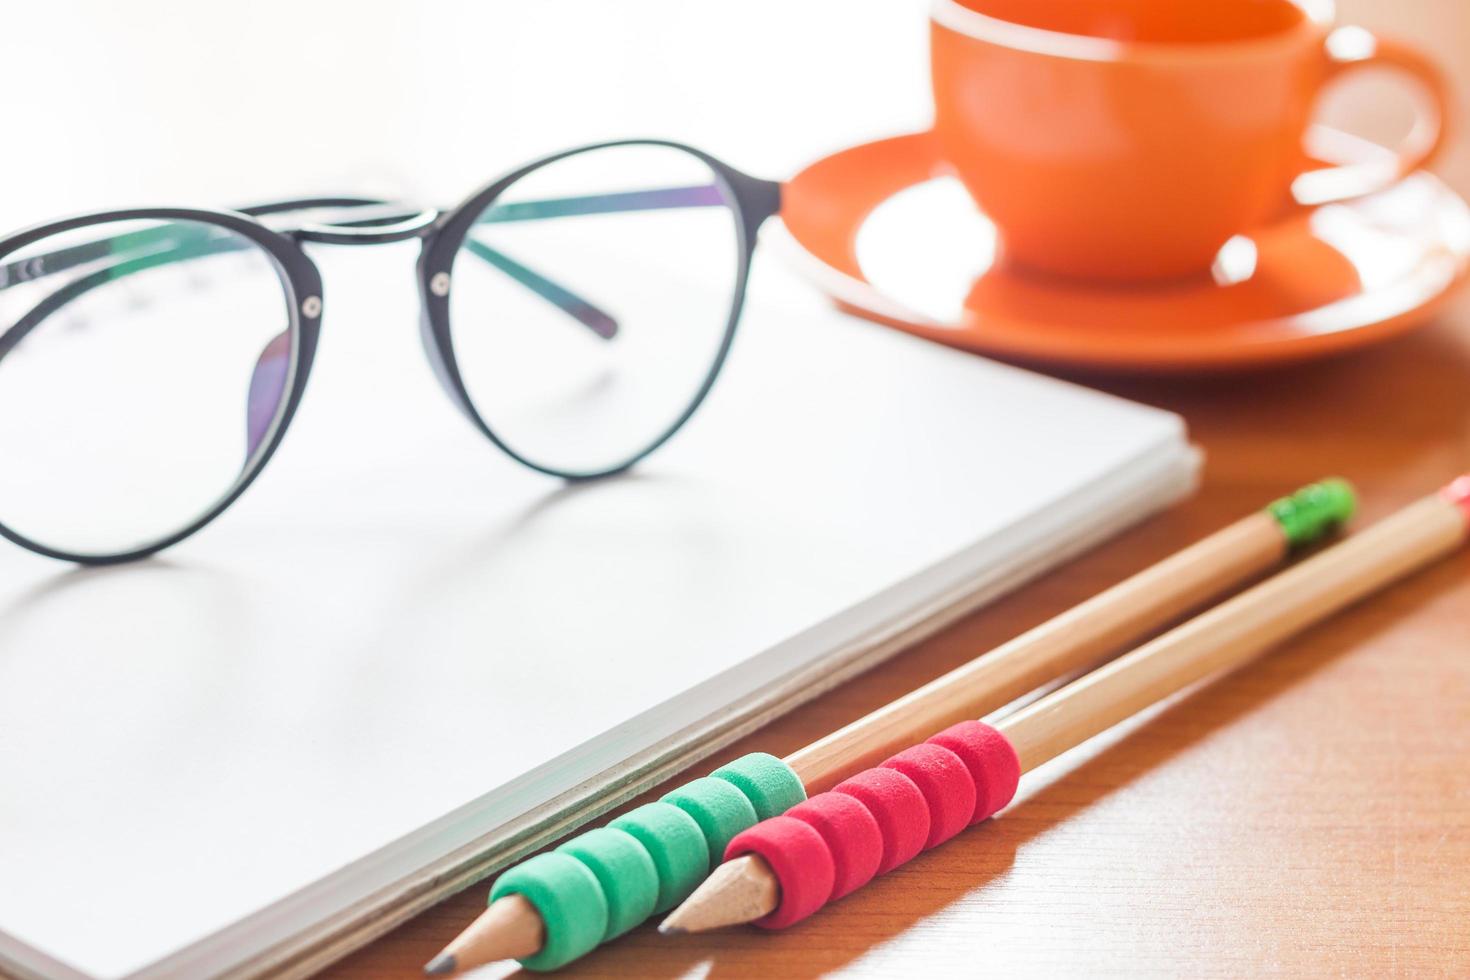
851, 834
991, 760
948, 788
899, 808
835, 842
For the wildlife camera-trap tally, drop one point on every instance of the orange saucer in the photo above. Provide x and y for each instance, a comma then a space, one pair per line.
895, 239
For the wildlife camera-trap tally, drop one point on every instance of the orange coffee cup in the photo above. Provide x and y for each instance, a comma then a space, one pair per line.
1130, 139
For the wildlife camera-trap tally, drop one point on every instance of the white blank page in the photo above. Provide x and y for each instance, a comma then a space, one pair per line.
397, 620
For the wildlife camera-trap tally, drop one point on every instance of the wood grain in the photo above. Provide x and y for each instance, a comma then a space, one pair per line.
1309, 815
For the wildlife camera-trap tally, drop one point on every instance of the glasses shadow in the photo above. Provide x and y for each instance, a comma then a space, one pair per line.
497, 544
926, 886
67, 578
199, 587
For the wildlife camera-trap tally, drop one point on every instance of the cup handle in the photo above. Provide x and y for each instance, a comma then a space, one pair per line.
1350, 48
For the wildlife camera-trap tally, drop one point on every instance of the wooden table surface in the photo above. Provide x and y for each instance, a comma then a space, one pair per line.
1308, 815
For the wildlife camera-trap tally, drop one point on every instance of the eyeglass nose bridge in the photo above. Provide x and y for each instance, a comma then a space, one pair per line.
371, 223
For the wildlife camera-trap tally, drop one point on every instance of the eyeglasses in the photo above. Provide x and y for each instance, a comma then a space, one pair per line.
576, 311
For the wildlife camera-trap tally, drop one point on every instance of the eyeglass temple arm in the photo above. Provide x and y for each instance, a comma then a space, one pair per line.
162, 251
176, 243
153, 247
757, 200
584, 311
652, 199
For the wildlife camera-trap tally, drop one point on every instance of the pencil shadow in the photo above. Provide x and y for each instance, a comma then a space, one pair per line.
906, 897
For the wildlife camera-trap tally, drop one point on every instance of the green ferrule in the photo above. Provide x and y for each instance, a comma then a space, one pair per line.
1314, 510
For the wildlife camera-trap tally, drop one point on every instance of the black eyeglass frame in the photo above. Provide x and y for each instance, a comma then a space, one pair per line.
442, 234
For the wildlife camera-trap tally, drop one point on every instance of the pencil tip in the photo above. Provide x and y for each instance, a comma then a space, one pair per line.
440, 965
510, 929
739, 891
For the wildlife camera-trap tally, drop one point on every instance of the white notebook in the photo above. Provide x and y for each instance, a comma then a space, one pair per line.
402, 660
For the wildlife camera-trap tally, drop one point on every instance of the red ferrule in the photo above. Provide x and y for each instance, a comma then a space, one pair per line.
1458, 493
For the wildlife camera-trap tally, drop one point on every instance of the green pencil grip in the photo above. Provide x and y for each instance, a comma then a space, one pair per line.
600, 884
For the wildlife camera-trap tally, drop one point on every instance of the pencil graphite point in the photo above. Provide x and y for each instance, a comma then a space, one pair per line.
440, 965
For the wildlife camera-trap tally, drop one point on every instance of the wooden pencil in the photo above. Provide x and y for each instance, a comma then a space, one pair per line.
1226, 637
512, 928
